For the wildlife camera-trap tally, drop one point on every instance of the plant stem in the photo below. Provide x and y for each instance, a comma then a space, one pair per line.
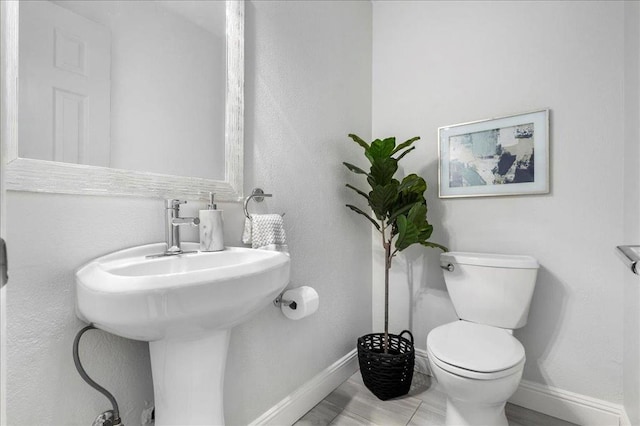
387, 266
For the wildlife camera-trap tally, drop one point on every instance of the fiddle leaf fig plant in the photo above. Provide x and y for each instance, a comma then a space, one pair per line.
399, 207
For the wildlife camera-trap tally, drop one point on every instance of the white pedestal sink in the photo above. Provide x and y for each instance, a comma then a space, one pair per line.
185, 307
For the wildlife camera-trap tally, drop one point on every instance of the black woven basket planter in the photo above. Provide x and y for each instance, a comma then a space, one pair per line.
386, 375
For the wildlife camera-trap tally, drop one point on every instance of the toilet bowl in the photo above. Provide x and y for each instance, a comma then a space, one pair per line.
476, 359
479, 367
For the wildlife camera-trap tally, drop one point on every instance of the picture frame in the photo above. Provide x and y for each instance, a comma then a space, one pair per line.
495, 157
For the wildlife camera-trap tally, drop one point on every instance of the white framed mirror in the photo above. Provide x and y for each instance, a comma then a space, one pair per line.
114, 170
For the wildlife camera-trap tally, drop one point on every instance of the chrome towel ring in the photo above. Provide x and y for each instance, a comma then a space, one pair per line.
257, 195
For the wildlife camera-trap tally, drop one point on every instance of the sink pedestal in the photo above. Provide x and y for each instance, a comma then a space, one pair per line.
188, 379
185, 307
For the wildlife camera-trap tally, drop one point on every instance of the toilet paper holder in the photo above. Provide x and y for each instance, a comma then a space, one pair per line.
279, 301
297, 303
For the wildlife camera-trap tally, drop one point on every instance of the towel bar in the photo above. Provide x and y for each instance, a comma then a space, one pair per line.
630, 255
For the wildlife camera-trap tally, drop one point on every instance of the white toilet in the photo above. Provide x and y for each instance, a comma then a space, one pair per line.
476, 360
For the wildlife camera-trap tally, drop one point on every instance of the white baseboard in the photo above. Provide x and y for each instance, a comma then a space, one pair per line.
569, 406
296, 404
562, 404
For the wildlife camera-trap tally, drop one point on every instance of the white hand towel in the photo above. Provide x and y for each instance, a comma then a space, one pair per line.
246, 235
265, 231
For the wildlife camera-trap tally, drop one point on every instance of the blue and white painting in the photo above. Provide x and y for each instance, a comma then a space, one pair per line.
492, 157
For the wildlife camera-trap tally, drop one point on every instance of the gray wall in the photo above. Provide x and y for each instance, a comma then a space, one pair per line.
308, 84
631, 221
442, 63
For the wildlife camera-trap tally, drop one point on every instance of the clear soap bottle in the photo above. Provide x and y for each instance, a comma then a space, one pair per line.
211, 227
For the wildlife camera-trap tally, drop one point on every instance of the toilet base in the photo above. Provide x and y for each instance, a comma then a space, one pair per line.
460, 413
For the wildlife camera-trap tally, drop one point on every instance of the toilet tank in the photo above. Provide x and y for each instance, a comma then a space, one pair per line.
491, 289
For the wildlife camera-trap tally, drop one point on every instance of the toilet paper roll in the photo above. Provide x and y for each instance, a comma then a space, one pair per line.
306, 301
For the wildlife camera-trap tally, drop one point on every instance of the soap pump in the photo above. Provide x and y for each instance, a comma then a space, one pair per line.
211, 227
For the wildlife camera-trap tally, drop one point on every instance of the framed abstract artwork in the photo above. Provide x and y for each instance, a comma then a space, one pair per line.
499, 156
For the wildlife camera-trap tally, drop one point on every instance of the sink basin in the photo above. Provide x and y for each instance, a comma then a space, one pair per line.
149, 299
185, 306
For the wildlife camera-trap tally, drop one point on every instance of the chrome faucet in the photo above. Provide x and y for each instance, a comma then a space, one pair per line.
173, 223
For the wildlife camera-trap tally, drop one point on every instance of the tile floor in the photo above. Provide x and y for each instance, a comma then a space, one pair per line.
352, 404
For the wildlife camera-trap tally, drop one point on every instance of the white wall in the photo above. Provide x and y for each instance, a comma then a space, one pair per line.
631, 216
441, 63
49, 236
308, 85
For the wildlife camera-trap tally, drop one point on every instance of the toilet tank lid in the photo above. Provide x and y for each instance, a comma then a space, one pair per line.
490, 259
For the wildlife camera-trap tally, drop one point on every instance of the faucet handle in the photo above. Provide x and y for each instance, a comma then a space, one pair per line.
174, 203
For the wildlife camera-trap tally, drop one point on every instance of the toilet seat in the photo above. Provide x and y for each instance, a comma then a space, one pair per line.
475, 351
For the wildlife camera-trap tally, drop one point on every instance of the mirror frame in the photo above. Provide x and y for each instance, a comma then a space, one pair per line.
24, 174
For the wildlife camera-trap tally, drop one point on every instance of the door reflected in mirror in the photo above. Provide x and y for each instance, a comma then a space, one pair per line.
134, 85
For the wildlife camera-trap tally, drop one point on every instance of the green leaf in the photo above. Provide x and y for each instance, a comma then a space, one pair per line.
398, 212
405, 144
425, 232
357, 210
413, 184
418, 216
434, 245
364, 194
407, 233
359, 141
380, 149
412, 190
413, 228
405, 153
355, 169
382, 199
382, 171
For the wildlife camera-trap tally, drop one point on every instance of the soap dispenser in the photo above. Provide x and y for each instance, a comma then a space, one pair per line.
211, 227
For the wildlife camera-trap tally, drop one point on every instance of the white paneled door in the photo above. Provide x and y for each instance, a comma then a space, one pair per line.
65, 62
